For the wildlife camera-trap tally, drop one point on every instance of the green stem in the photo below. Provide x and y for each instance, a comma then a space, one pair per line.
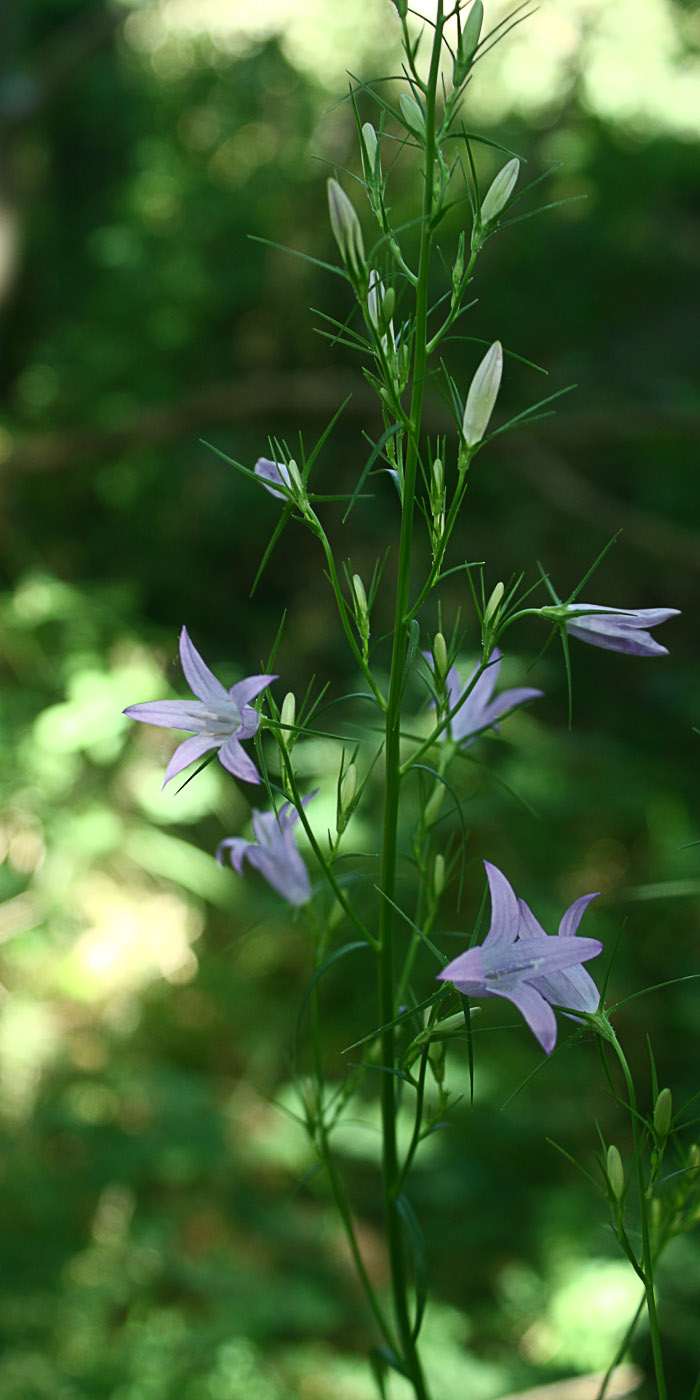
647, 1270
387, 994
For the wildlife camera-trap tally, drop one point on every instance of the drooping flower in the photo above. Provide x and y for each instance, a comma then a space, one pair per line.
218, 718
478, 710
573, 987
274, 852
511, 963
618, 631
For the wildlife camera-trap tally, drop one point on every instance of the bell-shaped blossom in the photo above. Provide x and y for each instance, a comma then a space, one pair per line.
274, 853
618, 631
573, 987
513, 964
480, 709
274, 473
218, 718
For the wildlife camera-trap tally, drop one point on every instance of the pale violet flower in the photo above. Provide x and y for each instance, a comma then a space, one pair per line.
573, 987
618, 631
274, 473
521, 967
274, 853
218, 718
480, 710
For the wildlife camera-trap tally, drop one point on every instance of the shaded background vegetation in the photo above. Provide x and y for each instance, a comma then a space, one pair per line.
156, 1243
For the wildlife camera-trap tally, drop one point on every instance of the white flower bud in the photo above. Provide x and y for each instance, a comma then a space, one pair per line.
289, 711
483, 392
500, 191
370, 143
468, 42
493, 604
412, 115
348, 786
346, 230
295, 480
438, 479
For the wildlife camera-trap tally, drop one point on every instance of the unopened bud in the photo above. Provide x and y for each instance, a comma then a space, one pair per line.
358, 589
348, 786
295, 480
402, 7
439, 875
433, 805
615, 1172
438, 479
436, 1055
662, 1114
388, 305
370, 143
500, 191
289, 711
440, 655
412, 115
483, 392
494, 603
693, 1167
458, 268
346, 230
468, 42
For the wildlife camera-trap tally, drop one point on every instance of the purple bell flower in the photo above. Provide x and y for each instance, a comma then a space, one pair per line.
522, 967
274, 853
618, 631
479, 710
218, 718
274, 473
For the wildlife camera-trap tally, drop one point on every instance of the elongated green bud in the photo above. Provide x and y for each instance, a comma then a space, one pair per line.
440, 655
433, 805
693, 1167
500, 191
388, 305
346, 230
348, 786
494, 604
438, 479
663, 1109
358, 589
483, 392
412, 115
468, 42
289, 710
295, 477
369, 139
439, 875
615, 1172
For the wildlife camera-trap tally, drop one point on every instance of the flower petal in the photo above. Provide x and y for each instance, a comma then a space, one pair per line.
244, 691
169, 714
186, 753
467, 973
505, 915
275, 472
200, 679
236, 847
572, 917
235, 759
537, 1013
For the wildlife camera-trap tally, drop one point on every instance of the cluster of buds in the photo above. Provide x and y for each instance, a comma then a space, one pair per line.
381, 301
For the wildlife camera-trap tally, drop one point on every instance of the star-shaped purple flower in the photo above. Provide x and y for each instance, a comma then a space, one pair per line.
218, 718
274, 853
479, 710
513, 963
619, 631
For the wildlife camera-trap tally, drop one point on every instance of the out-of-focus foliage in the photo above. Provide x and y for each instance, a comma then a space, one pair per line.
157, 1241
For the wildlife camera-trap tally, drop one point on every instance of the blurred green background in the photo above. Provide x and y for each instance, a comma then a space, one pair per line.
156, 1240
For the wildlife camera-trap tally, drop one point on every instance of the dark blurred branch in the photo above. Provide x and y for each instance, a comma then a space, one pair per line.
535, 455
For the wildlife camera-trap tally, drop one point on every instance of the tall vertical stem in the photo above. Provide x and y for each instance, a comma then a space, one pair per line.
387, 1008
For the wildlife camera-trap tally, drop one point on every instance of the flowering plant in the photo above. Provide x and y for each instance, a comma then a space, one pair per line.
400, 330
